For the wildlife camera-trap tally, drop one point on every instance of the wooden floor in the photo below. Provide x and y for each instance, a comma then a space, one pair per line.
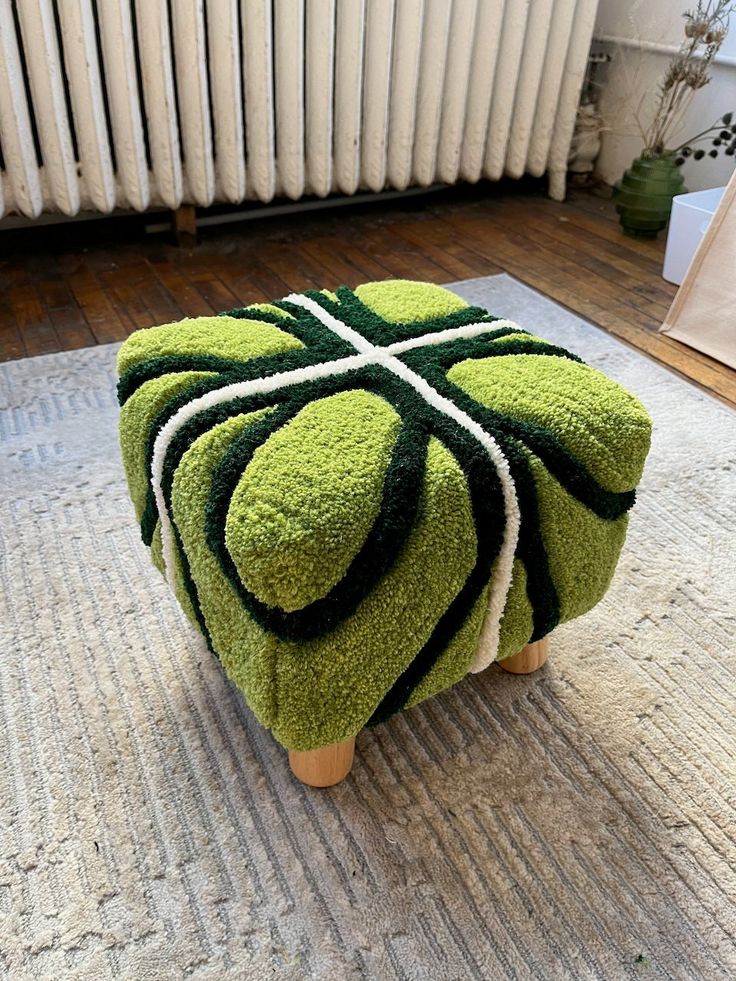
65, 287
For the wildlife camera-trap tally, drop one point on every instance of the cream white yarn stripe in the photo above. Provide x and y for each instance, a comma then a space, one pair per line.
369, 354
451, 334
256, 386
488, 642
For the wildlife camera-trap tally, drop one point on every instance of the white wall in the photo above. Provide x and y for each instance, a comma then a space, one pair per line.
635, 71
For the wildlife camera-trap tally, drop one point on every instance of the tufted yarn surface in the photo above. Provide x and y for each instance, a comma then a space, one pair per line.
359, 496
578, 823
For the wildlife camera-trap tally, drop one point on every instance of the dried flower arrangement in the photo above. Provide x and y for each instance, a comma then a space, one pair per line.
644, 194
688, 71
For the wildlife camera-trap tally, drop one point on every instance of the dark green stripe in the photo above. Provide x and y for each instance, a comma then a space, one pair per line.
184, 438
351, 310
530, 549
248, 313
540, 587
573, 476
191, 590
449, 353
321, 344
486, 498
400, 500
312, 332
257, 368
166, 364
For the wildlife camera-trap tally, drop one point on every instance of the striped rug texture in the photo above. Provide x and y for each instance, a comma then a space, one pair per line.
578, 823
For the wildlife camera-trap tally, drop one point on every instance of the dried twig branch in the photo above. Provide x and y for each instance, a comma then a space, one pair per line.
689, 70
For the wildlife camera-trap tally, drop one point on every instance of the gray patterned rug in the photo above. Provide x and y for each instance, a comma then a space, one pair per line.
578, 823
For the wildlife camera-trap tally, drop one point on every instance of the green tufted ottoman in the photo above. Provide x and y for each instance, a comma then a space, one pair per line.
358, 497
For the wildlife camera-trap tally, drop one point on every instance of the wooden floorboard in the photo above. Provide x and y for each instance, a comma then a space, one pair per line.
66, 287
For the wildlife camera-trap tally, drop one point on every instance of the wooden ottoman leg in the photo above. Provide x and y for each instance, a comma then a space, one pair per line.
323, 767
532, 657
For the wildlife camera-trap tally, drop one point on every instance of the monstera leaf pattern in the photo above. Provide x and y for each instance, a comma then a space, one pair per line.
360, 496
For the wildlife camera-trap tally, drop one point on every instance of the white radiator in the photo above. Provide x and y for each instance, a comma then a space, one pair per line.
141, 103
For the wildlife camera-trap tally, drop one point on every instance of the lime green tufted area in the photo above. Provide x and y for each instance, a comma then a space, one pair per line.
360, 496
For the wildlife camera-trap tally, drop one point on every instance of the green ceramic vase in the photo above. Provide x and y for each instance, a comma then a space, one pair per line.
644, 195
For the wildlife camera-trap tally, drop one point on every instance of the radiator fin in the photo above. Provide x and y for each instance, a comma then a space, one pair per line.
348, 94
484, 55
259, 111
320, 54
21, 182
404, 87
45, 75
159, 98
223, 37
431, 84
119, 53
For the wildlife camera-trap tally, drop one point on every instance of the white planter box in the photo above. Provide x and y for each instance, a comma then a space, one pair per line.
691, 215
